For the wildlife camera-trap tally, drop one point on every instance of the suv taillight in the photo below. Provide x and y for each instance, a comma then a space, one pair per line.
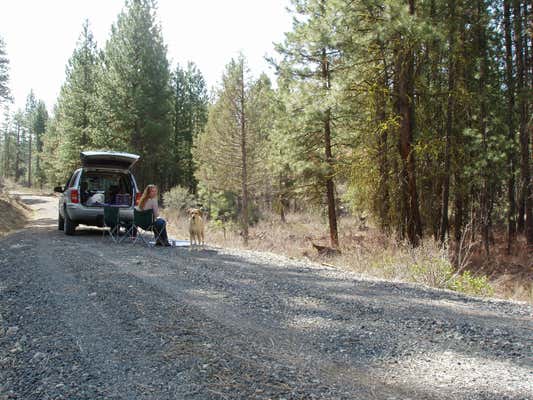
138, 198
74, 196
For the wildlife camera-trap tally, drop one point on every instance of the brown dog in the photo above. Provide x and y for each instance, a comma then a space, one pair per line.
196, 226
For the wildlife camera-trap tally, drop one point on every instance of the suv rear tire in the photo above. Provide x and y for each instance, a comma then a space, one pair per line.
69, 225
60, 222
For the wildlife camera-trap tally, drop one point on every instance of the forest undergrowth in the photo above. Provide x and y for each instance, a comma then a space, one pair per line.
366, 250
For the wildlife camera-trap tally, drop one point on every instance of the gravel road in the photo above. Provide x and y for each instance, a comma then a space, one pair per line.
83, 318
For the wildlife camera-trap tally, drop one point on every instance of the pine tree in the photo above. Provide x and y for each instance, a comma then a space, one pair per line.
136, 94
4, 98
77, 115
4, 74
230, 153
18, 127
189, 119
54, 172
404, 86
409, 78
7, 144
40, 121
525, 202
29, 122
510, 94
279, 165
309, 59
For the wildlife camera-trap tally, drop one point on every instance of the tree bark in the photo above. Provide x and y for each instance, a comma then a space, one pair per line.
17, 154
244, 170
520, 75
330, 189
281, 197
143, 166
406, 111
511, 213
486, 198
528, 120
383, 197
529, 67
6, 149
449, 126
459, 213
29, 158
443, 230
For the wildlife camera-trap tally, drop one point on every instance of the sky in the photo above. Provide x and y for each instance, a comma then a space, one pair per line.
40, 36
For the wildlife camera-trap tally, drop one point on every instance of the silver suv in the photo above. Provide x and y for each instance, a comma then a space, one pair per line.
104, 178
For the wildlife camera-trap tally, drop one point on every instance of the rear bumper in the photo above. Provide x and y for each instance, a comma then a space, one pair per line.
94, 215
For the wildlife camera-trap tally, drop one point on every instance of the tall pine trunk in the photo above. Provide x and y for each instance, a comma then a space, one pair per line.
383, 197
511, 213
528, 122
17, 154
29, 159
176, 168
520, 75
529, 67
406, 112
525, 212
459, 214
449, 126
136, 144
6, 150
330, 189
486, 192
244, 170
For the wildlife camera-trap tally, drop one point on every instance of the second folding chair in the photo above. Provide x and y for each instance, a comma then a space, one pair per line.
112, 221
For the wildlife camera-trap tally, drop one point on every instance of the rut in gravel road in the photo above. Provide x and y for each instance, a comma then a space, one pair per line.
83, 318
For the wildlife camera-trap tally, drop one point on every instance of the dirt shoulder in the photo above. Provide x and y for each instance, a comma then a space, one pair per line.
81, 317
14, 214
370, 251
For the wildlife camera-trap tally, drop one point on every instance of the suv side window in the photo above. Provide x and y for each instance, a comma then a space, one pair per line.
71, 180
74, 179
68, 181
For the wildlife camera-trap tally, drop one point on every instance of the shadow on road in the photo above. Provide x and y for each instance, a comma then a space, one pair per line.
33, 200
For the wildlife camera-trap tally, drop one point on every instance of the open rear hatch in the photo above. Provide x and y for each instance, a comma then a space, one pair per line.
106, 187
108, 159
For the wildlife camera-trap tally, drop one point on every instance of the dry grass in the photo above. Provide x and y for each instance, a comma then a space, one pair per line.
366, 250
511, 275
13, 214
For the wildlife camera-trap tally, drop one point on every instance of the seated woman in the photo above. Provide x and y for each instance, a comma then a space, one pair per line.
149, 201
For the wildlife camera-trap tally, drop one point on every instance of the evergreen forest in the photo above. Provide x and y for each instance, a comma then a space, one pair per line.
414, 114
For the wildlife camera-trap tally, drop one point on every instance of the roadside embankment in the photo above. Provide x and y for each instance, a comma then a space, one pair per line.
13, 213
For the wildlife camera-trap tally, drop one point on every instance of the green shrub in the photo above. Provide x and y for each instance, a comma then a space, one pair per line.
435, 272
178, 198
225, 206
429, 264
470, 284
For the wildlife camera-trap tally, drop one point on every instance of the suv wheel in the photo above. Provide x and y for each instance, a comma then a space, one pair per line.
70, 226
60, 222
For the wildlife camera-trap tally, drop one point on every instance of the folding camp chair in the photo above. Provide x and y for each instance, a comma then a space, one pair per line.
112, 221
143, 222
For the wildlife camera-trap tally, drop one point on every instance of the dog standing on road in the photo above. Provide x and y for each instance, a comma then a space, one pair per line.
196, 226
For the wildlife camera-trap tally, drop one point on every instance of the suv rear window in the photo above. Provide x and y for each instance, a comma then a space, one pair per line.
100, 187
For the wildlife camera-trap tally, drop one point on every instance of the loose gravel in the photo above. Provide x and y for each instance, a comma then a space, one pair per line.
83, 318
